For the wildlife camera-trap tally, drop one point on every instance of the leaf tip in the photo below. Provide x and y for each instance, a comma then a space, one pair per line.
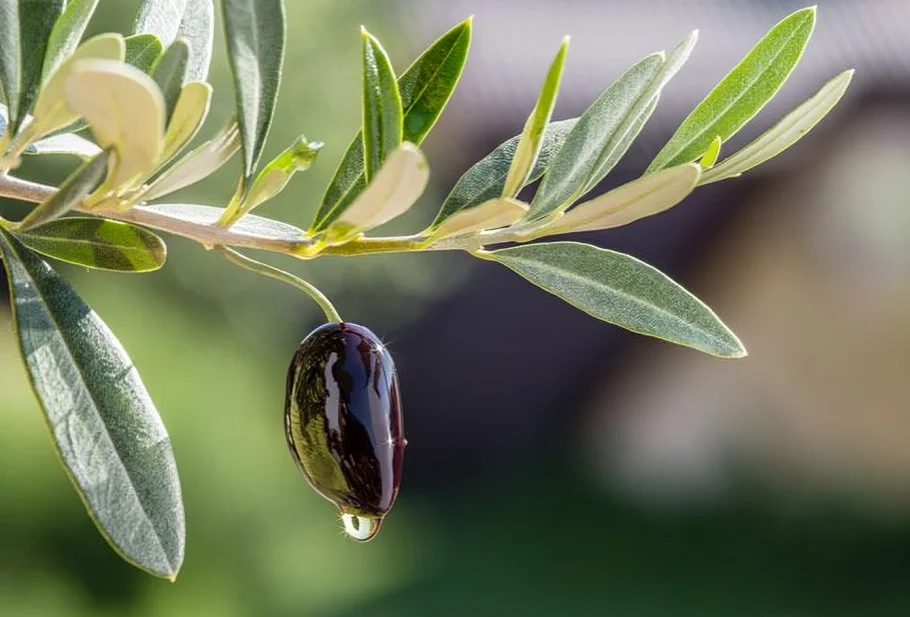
469, 22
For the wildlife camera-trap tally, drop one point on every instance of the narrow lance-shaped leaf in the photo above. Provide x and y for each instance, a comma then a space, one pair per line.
486, 179
396, 188
169, 73
621, 290
742, 93
97, 243
66, 34
783, 134
161, 18
641, 111
101, 419
601, 124
142, 51
532, 136
36, 21
250, 225
425, 88
125, 110
70, 194
9, 56
643, 197
255, 33
382, 115
709, 158
190, 20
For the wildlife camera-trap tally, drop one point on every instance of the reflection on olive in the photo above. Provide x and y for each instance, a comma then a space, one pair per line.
343, 423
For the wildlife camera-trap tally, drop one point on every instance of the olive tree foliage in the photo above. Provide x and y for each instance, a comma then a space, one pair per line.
125, 107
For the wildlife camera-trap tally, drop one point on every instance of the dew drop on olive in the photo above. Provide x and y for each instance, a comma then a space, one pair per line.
343, 423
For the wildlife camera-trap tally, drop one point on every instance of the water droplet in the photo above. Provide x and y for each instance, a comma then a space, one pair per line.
360, 528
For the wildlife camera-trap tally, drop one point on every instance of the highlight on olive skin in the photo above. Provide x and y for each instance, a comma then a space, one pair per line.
343, 423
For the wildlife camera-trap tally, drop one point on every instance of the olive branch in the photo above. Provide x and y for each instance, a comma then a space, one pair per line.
128, 106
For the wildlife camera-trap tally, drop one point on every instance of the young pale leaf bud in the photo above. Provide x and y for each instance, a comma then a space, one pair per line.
491, 214
126, 112
398, 185
709, 158
52, 111
276, 175
643, 197
198, 164
343, 423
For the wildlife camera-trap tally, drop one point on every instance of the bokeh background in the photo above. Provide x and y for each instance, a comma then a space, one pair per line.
557, 465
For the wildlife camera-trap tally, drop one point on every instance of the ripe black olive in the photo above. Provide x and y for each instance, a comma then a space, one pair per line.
343, 423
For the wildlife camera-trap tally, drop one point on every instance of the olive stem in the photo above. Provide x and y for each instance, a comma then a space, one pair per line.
272, 272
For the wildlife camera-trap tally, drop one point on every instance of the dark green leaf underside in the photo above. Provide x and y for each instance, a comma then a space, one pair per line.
98, 243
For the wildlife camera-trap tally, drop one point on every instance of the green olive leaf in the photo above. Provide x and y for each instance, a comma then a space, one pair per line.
396, 187
36, 22
190, 20
255, 33
742, 93
97, 243
643, 197
621, 290
70, 194
532, 136
197, 164
9, 57
66, 34
189, 113
602, 125
103, 424
125, 110
641, 111
425, 88
169, 72
52, 112
486, 179
142, 51
784, 134
382, 114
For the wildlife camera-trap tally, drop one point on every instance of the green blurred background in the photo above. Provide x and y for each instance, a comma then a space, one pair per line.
747, 516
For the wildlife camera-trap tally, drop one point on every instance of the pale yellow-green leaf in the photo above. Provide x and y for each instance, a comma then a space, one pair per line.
491, 214
533, 133
198, 164
783, 134
189, 112
392, 191
648, 195
52, 110
125, 110
709, 158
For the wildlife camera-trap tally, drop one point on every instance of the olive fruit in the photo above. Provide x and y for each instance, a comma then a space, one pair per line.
343, 424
